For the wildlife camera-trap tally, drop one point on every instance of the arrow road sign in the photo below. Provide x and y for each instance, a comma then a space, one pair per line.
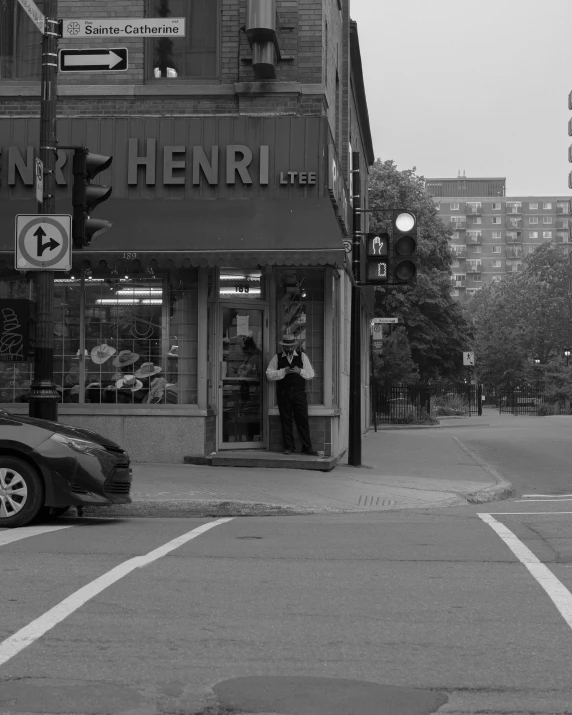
94, 60
43, 242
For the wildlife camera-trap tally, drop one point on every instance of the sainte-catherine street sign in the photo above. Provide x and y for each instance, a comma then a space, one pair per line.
123, 27
93, 60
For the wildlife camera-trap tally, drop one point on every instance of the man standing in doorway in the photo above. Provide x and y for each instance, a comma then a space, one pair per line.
290, 369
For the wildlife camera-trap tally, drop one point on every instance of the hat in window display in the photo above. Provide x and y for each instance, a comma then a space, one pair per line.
125, 358
77, 355
61, 330
147, 369
174, 351
130, 382
102, 353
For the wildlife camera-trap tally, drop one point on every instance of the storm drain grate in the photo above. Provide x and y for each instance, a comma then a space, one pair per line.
374, 501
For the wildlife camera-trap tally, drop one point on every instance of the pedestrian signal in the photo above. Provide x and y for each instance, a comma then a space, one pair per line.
377, 256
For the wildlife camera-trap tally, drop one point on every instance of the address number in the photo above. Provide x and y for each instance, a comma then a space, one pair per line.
242, 288
129, 255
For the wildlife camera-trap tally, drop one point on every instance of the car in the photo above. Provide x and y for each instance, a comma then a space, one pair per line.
46, 467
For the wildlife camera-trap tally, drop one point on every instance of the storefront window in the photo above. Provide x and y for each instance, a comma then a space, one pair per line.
335, 337
17, 310
138, 336
300, 311
193, 56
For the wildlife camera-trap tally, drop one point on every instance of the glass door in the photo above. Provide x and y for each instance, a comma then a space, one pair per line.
241, 378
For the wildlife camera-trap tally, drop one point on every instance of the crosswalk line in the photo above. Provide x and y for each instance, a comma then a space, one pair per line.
9, 536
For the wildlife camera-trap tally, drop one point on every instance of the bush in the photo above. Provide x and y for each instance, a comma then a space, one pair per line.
410, 417
449, 406
544, 409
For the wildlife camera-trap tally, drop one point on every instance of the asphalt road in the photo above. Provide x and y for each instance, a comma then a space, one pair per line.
462, 611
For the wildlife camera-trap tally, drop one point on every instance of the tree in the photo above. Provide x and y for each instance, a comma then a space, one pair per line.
523, 318
395, 364
435, 325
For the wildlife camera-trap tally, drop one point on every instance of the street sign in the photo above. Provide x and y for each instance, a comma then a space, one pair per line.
43, 242
469, 359
135, 27
94, 60
39, 167
38, 18
377, 331
384, 321
377, 344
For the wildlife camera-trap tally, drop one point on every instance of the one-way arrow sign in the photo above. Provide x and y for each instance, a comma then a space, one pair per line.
94, 60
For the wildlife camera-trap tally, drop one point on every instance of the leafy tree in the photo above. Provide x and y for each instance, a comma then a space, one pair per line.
435, 325
523, 318
395, 364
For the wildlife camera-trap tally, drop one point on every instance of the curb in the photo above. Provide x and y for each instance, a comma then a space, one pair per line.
503, 489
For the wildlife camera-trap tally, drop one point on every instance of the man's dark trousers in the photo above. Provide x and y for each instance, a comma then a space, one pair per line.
294, 403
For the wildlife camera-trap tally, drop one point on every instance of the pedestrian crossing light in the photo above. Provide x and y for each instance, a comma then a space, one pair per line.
402, 264
85, 196
377, 256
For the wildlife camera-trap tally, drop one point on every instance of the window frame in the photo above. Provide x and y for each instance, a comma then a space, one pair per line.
148, 61
547, 234
497, 207
533, 220
533, 206
533, 234
497, 220
25, 82
497, 249
547, 206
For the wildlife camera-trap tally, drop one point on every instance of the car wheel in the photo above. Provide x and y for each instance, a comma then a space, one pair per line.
21, 492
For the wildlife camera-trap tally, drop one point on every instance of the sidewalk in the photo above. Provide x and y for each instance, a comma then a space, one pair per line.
403, 469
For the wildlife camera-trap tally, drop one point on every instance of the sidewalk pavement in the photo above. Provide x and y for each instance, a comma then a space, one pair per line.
403, 469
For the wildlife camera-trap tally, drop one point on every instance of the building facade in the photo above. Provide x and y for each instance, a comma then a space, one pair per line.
493, 233
232, 222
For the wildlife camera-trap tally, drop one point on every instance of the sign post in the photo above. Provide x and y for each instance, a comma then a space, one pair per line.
43, 396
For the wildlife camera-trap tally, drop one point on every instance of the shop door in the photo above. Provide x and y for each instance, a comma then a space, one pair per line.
241, 423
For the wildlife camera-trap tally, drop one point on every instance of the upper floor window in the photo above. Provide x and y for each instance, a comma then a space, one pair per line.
497, 207
533, 206
547, 234
20, 43
194, 56
497, 234
454, 207
477, 219
497, 219
533, 219
547, 205
497, 249
547, 219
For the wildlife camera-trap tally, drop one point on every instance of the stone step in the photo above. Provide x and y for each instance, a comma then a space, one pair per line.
264, 459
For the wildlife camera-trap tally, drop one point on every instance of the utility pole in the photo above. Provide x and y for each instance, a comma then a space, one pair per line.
354, 442
43, 395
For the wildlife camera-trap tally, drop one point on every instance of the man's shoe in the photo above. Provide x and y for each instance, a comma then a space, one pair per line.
288, 451
310, 452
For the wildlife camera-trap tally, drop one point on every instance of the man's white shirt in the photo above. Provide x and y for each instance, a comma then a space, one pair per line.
273, 374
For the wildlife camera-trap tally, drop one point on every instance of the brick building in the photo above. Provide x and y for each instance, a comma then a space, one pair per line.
231, 176
492, 233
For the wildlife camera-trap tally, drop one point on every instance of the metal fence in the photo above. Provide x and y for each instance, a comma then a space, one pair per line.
402, 404
520, 401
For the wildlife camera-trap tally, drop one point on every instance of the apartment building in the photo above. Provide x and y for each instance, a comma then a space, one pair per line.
492, 233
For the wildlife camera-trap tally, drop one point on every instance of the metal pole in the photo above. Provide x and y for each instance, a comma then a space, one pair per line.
43, 396
354, 443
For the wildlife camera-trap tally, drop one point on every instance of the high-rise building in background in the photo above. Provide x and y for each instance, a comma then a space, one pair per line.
492, 232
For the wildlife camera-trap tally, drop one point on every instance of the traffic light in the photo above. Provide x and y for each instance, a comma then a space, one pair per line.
86, 197
403, 246
377, 258
390, 258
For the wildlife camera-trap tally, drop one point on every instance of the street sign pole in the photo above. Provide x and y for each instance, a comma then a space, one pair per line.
43, 396
354, 435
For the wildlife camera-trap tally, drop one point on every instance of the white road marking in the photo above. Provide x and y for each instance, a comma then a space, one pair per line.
10, 535
36, 629
529, 513
520, 501
547, 495
559, 594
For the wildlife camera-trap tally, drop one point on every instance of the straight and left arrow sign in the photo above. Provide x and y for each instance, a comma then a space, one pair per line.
94, 60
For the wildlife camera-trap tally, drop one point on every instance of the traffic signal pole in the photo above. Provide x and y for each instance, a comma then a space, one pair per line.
355, 429
43, 395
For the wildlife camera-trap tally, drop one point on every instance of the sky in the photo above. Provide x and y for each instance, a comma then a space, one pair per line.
476, 86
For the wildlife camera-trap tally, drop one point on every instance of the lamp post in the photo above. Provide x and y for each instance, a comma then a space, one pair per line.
537, 370
567, 354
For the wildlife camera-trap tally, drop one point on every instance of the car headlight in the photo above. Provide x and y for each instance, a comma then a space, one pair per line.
78, 445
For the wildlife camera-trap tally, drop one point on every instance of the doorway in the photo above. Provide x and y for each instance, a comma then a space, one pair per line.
242, 378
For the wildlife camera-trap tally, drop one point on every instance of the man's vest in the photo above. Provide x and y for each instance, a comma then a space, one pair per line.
291, 381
